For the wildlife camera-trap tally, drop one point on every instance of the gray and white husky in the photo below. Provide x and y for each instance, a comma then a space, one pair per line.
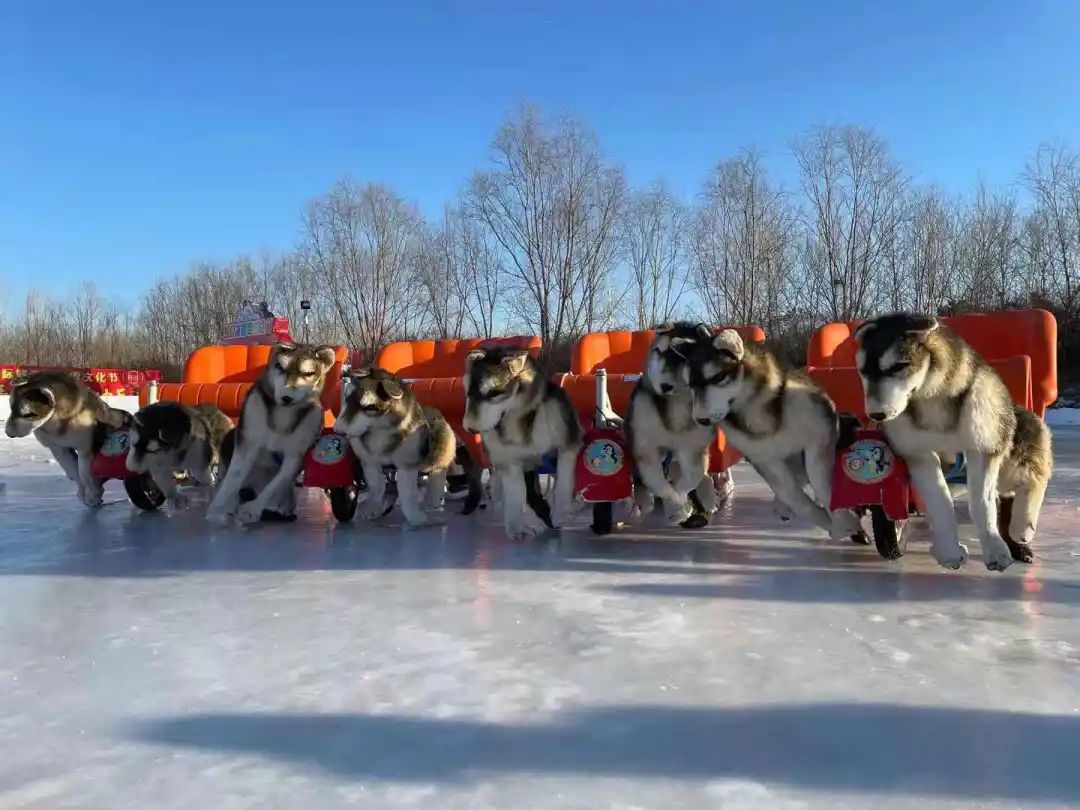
934, 395
67, 418
387, 426
660, 420
168, 438
280, 420
780, 420
521, 417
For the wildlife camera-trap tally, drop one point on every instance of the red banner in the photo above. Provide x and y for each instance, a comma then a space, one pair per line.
107, 381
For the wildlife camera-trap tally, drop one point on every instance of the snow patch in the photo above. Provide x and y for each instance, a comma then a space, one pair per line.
1063, 417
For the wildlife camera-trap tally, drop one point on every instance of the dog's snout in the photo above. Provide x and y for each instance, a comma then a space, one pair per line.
666, 388
877, 416
286, 400
704, 422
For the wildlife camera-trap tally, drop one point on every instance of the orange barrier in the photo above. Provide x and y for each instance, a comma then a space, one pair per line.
1020, 345
222, 376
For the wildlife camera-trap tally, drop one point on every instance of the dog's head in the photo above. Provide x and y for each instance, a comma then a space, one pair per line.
297, 374
715, 374
893, 359
373, 398
669, 352
496, 382
157, 429
33, 402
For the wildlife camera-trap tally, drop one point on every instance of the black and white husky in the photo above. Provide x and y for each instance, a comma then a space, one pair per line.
387, 427
780, 420
521, 417
934, 396
67, 418
660, 420
280, 420
169, 438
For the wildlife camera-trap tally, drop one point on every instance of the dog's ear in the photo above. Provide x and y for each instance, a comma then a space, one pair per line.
921, 325
515, 361
730, 342
680, 342
862, 330
391, 389
473, 356
171, 435
137, 419
703, 331
326, 357
664, 328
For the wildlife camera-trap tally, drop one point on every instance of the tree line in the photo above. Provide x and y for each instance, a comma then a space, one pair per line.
549, 239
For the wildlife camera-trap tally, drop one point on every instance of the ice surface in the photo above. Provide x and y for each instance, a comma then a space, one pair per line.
1063, 417
149, 660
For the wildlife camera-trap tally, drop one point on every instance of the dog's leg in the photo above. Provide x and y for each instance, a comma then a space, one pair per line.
272, 493
930, 483
786, 487
90, 489
227, 496
1025, 518
512, 481
68, 460
162, 476
819, 462
409, 490
564, 487
373, 506
436, 489
982, 475
693, 479
676, 506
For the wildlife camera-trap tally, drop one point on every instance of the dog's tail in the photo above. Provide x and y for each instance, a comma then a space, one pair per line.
464, 458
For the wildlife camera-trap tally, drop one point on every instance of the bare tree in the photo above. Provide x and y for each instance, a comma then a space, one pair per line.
654, 237
743, 244
361, 242
854, 209
1053, 178
552, 204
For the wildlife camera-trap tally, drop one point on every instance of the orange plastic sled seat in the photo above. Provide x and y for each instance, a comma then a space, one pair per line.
1020, 345
623, 355
425, 359
222, 376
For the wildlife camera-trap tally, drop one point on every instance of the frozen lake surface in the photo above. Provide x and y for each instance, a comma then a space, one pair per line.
150, 660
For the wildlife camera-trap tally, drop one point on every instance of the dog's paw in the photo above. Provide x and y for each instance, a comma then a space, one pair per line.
179, 501
998, 558
91, 496
678, 512
248, 514
782, 510
218, 517
697, 520
520, 531
951, 558
1021, 552
372, 508
844, 524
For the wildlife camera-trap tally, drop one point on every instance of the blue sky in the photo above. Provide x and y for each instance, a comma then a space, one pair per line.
137, 137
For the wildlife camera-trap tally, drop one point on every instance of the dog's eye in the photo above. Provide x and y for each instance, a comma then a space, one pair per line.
496, 395
896, 368
282, 368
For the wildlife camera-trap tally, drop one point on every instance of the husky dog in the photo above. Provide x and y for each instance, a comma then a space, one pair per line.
521, 417
69, 419
281, 418
169, 438
660, 419
781, 421
386, 426
936, 396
